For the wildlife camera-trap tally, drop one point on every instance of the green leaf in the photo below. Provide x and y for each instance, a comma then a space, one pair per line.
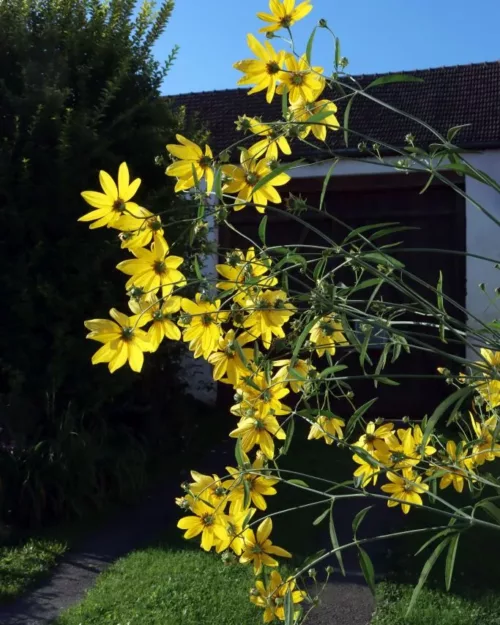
392, 78
358, 519
289, 436
366, 284
426, 569
432, 539
246, 494
318, 117
197, 270
301, 340
298, 483
239, 350
456, 398
321, 517
383, 259
201, 210
452, 132
338, 53
325, 183
309, 46
491, 509
440, 304
335, 541
262, 229
347, 113
329, 370
358, 414
367, 569
386, 381
218, 183
319, 269
288, 604
364, 347
281, 169
368, 227
238, 452
450, 560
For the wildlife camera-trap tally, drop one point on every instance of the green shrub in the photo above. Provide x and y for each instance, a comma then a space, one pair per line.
79, 91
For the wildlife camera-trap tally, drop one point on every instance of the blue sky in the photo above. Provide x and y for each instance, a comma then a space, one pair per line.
376, 36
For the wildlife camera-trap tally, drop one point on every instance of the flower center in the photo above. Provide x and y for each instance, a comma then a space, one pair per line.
127, 334
297, 79
119, 206
206, 320
286, 21
326, 328
159, 267
157, 315
252, 179
155, 225
207, 520
257, 549
273, 68
259, 425
205, 161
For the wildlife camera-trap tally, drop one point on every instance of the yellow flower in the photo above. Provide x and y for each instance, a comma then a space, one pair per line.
327, 427
284, 14
122, 341
259, 486
458, 474
227, 361
139, 231
259, 549
302, 111
202, 325
210, 489
405, 489
259, 431
242, 180
261, 396
206, 522
272, 597
486, 449
158, 312
153, 269
408, 452
490, 388
368, 471
233, 526
268, 312
245, 273
114, 203
268, 146
326, 334
303, 82
262, 71
286, 372
377, 438
190, 157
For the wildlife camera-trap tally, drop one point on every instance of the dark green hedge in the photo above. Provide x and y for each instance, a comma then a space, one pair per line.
79, 92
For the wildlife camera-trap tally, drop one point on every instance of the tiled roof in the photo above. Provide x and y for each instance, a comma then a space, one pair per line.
448, 96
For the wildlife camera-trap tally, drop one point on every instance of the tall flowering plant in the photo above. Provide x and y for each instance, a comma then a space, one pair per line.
281, 342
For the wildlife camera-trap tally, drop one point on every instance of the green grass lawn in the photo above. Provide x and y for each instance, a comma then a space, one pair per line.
23, 565
162, 586
433, 607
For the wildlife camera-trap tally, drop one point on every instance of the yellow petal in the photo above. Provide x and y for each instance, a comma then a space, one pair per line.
108, 185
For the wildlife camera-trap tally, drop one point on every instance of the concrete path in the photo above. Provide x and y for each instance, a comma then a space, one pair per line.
344, 602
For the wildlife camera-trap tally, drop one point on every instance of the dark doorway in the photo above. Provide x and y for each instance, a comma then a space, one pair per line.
437, 219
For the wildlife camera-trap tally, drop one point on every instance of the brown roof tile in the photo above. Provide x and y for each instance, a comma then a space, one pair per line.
448, 96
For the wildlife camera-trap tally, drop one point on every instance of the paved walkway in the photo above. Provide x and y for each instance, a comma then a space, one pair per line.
344, 602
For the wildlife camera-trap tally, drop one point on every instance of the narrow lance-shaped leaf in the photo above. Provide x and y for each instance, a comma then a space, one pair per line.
335, 541
450, 560
309, 46
367, 569
262, 229
326, 181
426, 569
392, 78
